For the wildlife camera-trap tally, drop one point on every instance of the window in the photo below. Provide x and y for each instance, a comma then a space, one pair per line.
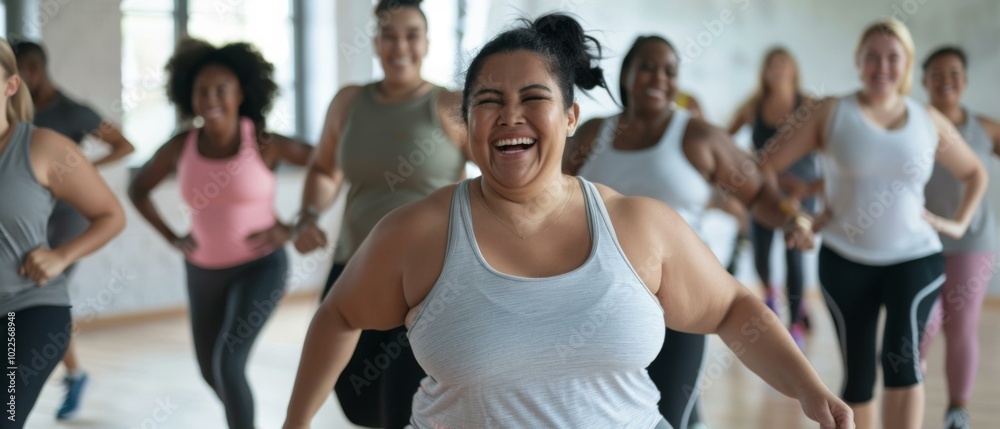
149, 34
148, 38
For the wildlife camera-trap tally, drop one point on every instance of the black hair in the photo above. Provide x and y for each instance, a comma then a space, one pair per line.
945, 51
386, 8
255, 75
630, 56
557, 38
23, 49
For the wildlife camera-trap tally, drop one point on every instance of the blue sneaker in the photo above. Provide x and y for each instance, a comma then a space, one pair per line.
74, 392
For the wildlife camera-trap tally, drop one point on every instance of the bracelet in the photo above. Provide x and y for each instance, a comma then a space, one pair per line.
803, 222
309, 212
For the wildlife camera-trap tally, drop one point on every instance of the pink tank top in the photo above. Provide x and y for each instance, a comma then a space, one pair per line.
228, 199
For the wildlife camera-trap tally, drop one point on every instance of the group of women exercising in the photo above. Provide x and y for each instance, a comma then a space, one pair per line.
568, 286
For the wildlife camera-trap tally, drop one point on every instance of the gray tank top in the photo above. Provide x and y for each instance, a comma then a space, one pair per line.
392, 154
23, 227
567, 351
944, 193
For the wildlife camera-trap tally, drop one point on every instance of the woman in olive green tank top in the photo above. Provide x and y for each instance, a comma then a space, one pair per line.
395, 141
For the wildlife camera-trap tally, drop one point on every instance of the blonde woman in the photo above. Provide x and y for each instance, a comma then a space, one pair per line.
770, 110
37, 167
881, 247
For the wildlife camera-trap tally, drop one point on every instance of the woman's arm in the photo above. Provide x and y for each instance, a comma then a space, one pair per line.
955, 155
120, 146
163, 162
742, 118
289, 150
368, 295
992, 129
61, 168
324, 178
736, 173
450, 115
699, 296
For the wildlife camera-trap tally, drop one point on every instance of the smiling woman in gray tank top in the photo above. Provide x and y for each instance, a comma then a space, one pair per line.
535, 299
38, 166
881, 247
969, 261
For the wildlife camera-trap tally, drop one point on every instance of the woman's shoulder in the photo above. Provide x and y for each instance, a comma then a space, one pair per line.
412, 222
48, 143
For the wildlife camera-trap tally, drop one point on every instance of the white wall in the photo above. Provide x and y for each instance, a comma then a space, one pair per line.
138, 271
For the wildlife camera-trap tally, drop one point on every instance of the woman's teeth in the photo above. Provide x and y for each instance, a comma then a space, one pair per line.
514, 145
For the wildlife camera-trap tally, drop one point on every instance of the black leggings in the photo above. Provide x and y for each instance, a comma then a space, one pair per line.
676, 372
41, 335
228, 309
763, 237
856, 293
376, 388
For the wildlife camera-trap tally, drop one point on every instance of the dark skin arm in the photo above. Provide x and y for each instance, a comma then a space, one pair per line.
277, 149
734, 172
162, 164
120, 146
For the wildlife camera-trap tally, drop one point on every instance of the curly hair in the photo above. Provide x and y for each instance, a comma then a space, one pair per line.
254, 73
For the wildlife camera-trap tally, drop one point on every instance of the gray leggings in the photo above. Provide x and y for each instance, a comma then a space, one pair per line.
228, 310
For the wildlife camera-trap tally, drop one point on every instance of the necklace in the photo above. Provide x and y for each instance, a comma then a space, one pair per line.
380, 87
511, 229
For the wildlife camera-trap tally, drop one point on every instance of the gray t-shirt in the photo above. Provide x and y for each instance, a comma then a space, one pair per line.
69, 118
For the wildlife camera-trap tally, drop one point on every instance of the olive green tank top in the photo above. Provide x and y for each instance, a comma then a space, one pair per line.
391, 154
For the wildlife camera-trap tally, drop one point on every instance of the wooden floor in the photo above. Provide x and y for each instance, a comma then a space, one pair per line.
144, 376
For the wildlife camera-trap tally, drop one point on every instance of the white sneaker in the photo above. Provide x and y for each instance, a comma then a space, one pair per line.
957, 418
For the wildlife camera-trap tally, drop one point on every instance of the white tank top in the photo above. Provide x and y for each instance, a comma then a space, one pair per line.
567, 351
875, 181
661, 172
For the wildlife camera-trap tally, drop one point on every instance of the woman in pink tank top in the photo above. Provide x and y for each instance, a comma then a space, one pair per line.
234, 253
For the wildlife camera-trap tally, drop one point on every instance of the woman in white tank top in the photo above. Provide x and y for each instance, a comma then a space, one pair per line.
656, 151
881, 246
502, 280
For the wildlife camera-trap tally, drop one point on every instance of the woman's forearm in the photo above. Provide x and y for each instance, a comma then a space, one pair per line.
972, 195
769, 208
756, 335
101, 230
329, 344
321, 189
